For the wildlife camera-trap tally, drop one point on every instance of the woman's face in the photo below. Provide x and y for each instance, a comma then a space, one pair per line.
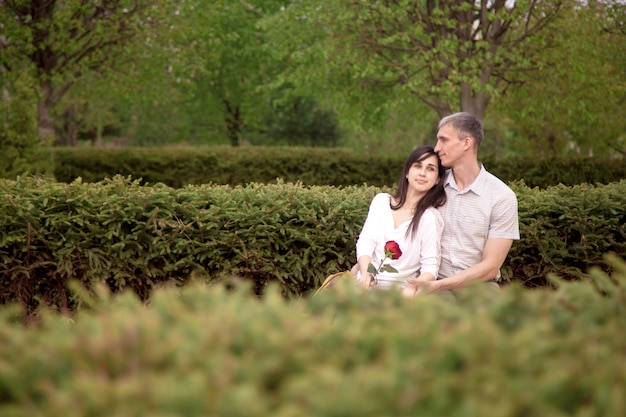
423, 175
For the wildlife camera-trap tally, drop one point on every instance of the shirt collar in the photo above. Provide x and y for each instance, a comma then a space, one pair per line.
477, 187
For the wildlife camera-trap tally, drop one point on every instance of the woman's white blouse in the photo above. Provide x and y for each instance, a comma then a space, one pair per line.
420, 254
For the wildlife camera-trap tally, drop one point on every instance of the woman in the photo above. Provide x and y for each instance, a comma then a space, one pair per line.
402, 232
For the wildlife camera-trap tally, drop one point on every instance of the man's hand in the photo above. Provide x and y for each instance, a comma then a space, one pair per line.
418, 286
409, 292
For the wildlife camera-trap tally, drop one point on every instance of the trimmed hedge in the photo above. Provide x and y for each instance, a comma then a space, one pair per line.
566, 230
178, 167
202, 351
135, 236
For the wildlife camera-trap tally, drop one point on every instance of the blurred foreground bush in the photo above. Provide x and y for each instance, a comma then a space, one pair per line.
205, 351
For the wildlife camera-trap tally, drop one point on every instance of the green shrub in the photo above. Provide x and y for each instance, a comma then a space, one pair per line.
567, 230
549, 171
130, 235
136, 236
178, 167
203, 351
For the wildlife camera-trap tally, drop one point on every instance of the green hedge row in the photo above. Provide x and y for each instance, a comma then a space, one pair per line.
203, 351
178, 167
135, 236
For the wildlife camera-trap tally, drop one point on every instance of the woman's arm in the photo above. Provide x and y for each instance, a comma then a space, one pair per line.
429, 232
366, 243
366, 277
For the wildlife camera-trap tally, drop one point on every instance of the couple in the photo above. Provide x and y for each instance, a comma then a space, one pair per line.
441, 230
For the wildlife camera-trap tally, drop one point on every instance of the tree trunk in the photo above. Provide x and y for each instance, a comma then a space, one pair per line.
441, 107
98, 141
233, 124
71, 128
443, 111
472, 102
45, 123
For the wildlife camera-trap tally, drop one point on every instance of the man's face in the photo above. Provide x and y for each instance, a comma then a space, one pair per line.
449, 147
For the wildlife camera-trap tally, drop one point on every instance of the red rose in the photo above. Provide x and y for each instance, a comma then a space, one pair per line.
392, 250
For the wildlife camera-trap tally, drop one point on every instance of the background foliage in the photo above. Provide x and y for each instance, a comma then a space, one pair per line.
240, 72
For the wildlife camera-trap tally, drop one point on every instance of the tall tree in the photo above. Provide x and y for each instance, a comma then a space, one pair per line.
62, 40
576, 103
451, 54
225, 62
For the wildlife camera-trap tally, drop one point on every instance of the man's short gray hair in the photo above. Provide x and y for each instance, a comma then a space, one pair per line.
467, 124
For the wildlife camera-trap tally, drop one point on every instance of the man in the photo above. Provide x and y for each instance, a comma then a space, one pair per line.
480, 215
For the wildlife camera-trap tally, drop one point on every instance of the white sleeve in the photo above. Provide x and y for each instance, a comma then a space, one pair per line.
504, 222
429, 231
366, 244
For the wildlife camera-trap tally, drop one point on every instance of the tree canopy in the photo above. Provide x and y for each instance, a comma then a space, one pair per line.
62, 40
546, 75
451, 55
577, 102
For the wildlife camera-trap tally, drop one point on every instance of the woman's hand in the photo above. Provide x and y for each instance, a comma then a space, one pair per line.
367, 280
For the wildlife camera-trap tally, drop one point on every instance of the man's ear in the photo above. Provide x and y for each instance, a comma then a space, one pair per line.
468, 142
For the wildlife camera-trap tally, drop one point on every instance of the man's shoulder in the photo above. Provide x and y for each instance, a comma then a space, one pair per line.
495, 184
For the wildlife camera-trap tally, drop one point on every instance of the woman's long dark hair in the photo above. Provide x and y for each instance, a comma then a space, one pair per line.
435, 197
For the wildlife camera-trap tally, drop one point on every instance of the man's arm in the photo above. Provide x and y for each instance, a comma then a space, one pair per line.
494, 254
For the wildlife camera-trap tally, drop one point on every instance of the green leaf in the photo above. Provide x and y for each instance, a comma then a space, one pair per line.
388, 268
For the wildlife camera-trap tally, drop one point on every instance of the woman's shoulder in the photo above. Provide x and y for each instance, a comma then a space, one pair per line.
381, 198
432, 214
